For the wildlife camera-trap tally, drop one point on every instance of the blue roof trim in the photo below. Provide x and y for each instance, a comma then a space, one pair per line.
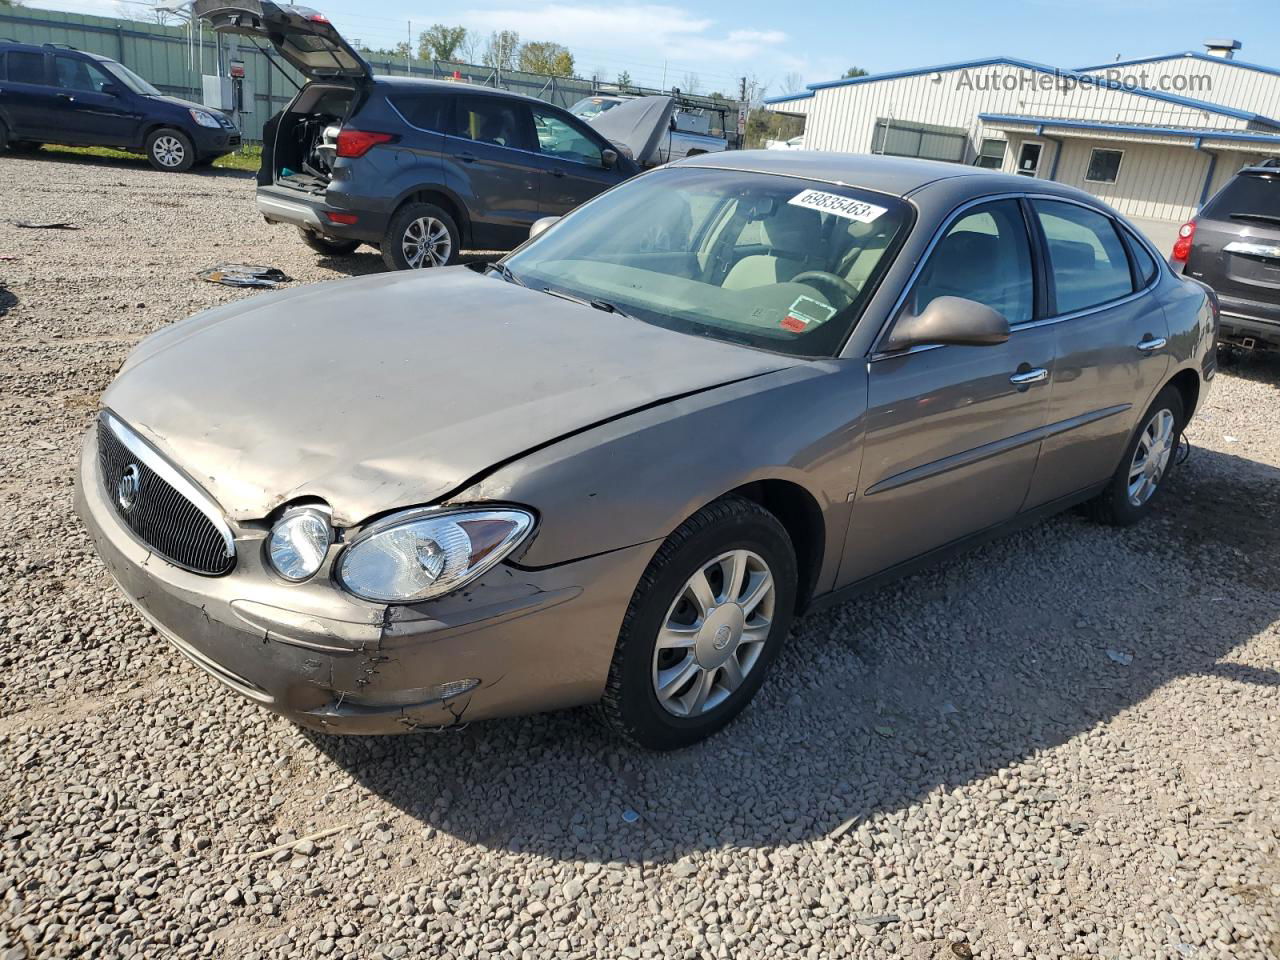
1056, 71
1184, 55
1193, 132
802, 95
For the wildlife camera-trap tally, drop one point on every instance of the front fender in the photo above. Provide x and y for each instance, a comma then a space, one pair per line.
638, 477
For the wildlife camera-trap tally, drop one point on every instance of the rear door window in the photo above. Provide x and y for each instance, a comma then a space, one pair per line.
23, 67
1249, 195
503, 123
1144, 266
425, 111
1087, 261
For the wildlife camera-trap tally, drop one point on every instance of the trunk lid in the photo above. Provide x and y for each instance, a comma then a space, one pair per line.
637, 126
394, 390
302, 36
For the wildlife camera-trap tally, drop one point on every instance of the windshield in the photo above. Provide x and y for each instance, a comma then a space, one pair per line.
591, 107
774, 262
129, 78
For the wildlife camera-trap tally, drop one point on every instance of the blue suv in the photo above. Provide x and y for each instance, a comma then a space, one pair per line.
418, 168
56, 94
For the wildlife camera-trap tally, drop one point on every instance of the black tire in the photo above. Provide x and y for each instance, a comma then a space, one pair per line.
630, 704
393, 242
25, 146
330, 248
4, 137
170, 150
1114, 505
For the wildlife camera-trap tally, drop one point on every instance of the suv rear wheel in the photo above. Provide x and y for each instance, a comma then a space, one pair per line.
329, 247
170, 150
420, 235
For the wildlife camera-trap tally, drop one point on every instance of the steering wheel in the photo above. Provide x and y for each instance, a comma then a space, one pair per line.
828, 283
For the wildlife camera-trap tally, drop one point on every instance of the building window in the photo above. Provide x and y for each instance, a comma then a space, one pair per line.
898, 138
992, 155
1104, 166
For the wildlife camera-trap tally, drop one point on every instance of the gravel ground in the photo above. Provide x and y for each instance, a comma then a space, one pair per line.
1064, 745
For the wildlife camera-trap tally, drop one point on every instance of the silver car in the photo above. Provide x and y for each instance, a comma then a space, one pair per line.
611, 468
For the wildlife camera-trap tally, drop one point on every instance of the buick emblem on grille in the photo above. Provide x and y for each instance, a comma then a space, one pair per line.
128, 487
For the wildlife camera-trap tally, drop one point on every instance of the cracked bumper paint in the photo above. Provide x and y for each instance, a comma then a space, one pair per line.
530, 640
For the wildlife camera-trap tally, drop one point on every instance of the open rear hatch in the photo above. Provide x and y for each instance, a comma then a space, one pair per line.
304, 37
300, 142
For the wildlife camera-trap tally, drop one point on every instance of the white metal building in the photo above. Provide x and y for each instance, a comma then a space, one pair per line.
1153, 137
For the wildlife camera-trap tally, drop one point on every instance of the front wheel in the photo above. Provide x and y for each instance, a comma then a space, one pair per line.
1147, 462
327, 246
707, 619
420, 235
170, 150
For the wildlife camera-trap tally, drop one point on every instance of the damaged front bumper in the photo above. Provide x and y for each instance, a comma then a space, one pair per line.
513, 642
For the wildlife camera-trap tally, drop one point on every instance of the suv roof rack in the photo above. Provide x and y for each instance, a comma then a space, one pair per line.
61, 46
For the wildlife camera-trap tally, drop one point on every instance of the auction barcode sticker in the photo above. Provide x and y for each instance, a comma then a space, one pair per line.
846, 207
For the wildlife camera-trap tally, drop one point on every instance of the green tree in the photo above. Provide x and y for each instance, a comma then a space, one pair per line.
547, 58
624, 79
439, 42
855, 72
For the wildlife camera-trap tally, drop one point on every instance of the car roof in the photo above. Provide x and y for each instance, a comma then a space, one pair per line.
51, 48
896, 176
453, 86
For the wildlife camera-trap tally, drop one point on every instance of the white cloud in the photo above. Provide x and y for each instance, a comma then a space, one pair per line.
645, 34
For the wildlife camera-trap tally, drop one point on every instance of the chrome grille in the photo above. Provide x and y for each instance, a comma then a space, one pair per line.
162, 508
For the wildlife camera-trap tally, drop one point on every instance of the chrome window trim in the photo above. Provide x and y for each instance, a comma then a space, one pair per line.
170, 475
874, 354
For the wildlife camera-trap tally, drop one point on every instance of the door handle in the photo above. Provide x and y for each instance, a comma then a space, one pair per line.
1029, 376
67, 97
1152, 343
467, 157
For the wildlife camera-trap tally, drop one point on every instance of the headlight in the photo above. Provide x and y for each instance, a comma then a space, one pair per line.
425, 553
205, 119
299, 542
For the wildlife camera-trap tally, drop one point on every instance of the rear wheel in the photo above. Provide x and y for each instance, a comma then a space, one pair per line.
708, 617
170, 150
1147, 462
420, 235
329, 247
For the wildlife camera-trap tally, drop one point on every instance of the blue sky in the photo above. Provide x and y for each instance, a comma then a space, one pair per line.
720, 40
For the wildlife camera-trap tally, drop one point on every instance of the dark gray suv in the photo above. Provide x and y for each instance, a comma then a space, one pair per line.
418, 168
1233, 245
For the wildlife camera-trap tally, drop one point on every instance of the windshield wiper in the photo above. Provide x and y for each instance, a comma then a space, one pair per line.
595, 302
507, 274
1264, 217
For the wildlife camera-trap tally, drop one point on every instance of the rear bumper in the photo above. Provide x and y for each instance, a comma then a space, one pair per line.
524, 641
283, 205
1250, 323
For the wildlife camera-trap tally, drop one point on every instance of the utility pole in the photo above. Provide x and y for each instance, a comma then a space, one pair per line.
742, 94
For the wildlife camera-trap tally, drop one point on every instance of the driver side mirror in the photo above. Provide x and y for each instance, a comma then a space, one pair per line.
608, 158
541, 225
949, 320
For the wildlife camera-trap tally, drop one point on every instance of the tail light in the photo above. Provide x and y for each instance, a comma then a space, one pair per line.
1182, 246
356, 143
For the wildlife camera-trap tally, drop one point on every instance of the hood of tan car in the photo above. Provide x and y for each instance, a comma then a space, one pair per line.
395, 390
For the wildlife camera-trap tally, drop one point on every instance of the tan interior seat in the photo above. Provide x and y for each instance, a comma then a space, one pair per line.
788, 234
